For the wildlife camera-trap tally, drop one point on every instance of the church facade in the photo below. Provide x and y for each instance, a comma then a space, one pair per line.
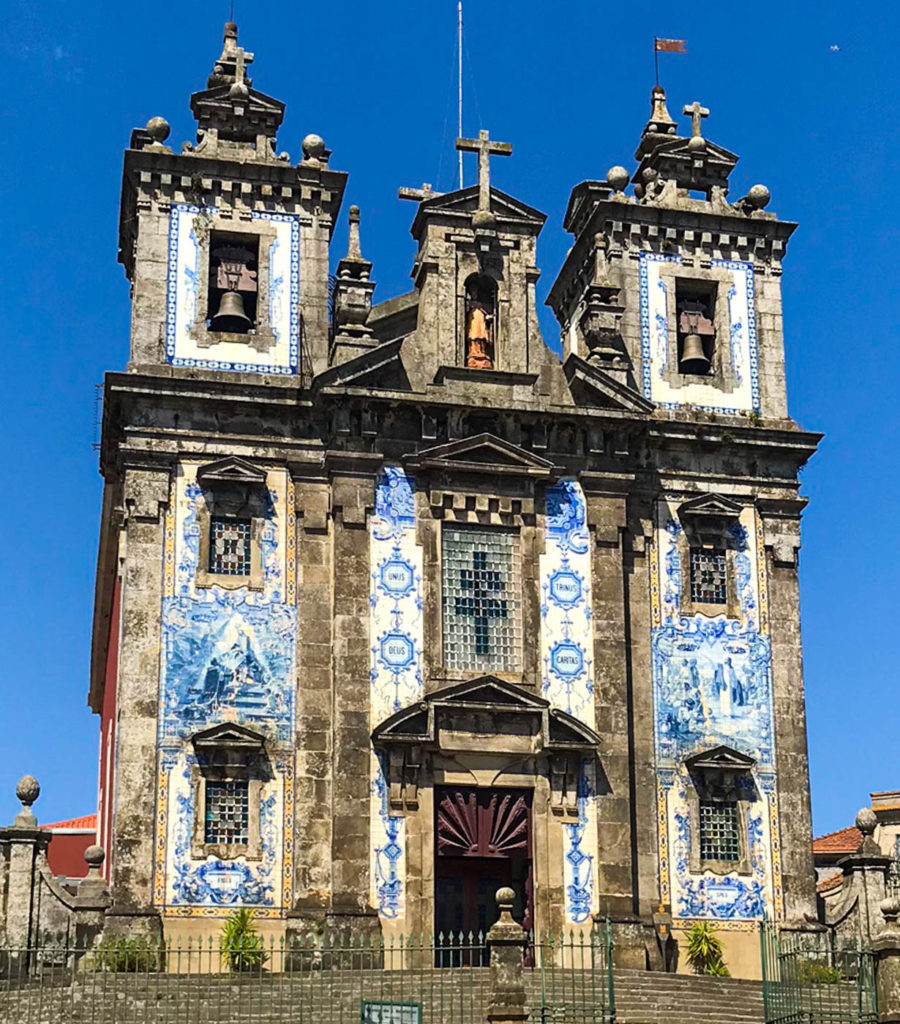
396, 606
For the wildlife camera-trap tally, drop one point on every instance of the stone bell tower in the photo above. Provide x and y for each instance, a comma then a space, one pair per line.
226, 242
226, 247
671, 293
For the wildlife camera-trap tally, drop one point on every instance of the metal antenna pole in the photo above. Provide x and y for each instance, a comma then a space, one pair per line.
459, 47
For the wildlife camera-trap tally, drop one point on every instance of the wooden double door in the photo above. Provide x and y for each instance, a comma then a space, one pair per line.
482, 842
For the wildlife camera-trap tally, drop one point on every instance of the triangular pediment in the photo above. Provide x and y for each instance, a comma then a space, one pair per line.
379, 367
591, 386
228, 734
720, 758
483, 453
566, 732
487, 691
465, 202
710, 506
257, 102
232, 470
681, 147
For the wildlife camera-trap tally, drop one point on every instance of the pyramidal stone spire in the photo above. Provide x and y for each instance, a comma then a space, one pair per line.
231, 111
661, 125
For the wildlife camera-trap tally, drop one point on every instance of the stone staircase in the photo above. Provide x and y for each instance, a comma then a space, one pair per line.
644, 997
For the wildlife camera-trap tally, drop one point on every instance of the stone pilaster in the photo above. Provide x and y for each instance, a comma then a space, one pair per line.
791, 757
886, 946
353, 497
146, 495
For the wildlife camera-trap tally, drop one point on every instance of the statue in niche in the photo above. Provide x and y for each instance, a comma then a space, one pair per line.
481, 318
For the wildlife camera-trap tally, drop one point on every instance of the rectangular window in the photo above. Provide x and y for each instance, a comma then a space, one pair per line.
709, 579
482, 587
695, 308
719, 838
227, 813
229, 546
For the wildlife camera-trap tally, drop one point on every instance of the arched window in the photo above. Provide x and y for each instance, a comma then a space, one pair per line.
481, 322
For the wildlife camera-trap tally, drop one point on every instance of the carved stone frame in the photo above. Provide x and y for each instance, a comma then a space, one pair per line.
715, 777
264, 232
706, 522
721, 376
237, 500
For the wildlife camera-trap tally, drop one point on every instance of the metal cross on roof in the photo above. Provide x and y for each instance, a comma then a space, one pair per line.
696, 113
484, 146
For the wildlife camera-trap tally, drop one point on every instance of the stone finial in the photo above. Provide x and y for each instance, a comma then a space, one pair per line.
758, 197
94, 856
505, 897
158, 129
866, 821
28, 789
313, 147
659, 112
617, 178
354, 251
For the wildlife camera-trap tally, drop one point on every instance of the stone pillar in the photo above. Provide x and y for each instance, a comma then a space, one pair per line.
353, 497
132, 852
24, 844
886, 946
507, 941
865, 878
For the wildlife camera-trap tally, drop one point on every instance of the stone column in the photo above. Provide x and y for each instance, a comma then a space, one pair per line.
132, 852
886, 946
24, 844
507, 941
353, 496
782, 541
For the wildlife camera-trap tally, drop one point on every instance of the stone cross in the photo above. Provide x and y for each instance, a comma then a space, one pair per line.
239, 71
484, 147
696, 113
419, 194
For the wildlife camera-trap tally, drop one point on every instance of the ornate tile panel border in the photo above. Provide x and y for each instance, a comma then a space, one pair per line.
182, 296
712, 686
567, 646
227, 656
655, 345
395, 672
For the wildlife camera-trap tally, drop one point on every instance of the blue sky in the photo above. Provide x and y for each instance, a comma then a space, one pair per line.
806, 93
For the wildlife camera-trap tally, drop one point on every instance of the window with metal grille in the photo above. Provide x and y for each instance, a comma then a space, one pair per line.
709, 580
227, 813
482, 587
229, 546
719, 836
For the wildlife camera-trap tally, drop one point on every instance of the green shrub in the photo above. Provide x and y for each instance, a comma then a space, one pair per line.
704, 950
136, 954
814, 972
242, 946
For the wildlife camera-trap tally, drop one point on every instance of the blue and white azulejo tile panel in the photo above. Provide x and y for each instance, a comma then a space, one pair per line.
712, 686
184, 277
227, 656
658, 344
395, 665
567, 651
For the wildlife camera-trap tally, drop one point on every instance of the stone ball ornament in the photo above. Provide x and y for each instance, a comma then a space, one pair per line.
28, 789
866, 820
239, 91
505, 897
313, 147
158, 129
758, 197
617, 178
94, 856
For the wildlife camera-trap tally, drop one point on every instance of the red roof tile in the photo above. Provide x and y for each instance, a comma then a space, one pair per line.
831, 882
845, 840
86, 821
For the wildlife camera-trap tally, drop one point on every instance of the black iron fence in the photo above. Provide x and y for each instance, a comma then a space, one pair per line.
816, 979
408, 980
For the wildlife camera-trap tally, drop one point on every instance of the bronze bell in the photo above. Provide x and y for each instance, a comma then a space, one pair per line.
231, 315
693, 356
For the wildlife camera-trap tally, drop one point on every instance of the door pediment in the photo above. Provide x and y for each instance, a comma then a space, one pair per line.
483, 453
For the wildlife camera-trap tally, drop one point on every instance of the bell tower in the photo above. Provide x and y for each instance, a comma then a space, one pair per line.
226, 243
